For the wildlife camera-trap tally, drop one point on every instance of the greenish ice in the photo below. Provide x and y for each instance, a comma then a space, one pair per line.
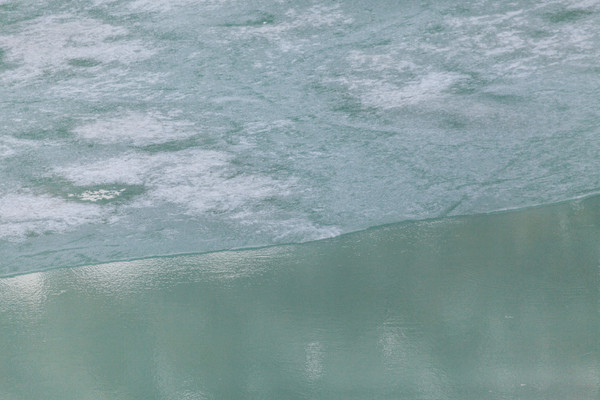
490, 306
139, 128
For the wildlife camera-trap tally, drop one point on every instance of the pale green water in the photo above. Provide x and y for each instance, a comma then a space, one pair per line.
502, 306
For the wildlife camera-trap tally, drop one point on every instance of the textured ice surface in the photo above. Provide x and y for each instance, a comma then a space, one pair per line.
133, 128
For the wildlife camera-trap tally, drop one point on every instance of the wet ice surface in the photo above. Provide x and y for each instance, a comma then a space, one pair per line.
479, 307
135, 128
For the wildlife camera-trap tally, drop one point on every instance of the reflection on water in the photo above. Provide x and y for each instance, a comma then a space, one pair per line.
493, 306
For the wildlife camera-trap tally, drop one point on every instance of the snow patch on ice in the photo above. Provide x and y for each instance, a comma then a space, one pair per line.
24, 213
136, 128
48, 43
198, 180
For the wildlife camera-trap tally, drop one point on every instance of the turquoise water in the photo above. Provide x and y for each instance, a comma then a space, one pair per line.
503, 306
227, 199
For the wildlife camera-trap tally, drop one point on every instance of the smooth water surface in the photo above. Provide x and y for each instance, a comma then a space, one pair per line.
502, 306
